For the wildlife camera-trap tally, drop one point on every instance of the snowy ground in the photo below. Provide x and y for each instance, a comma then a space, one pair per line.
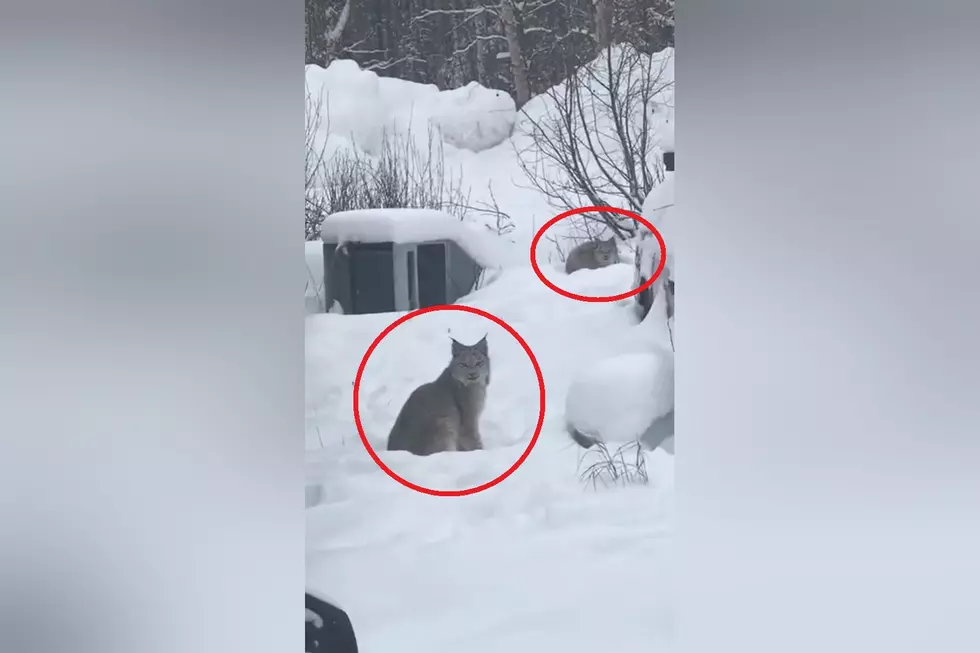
542, 561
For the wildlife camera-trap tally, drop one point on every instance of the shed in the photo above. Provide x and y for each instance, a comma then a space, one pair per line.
386, 260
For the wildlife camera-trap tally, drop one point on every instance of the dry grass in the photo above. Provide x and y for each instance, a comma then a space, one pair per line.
626, 465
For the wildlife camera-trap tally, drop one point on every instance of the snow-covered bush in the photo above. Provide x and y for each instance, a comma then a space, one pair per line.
377, 142
400, 175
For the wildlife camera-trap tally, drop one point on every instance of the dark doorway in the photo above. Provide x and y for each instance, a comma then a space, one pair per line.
371, 278
432, 274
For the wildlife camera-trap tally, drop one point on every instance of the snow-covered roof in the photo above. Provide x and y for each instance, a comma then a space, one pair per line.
404, 226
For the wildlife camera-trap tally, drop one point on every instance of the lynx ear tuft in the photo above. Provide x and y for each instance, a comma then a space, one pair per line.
457, 346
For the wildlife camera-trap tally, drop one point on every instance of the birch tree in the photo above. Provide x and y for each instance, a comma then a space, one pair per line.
518, 66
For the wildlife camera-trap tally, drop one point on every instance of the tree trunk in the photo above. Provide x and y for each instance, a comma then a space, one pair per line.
603, 22
518, 67
333, 36
481, 50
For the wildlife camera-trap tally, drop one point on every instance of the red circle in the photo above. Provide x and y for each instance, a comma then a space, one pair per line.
609, 298
357, 412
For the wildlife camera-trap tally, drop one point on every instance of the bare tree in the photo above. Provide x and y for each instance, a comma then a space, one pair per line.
596, 144
315, 210
402, 175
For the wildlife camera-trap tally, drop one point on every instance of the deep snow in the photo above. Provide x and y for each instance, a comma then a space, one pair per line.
543, 561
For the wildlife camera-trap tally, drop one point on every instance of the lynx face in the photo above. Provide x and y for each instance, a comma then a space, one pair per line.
471, 363
606, 252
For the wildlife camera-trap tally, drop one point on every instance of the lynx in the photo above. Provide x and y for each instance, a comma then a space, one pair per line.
444, 415
592, 255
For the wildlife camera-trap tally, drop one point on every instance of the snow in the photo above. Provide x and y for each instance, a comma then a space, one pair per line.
411, 226
474, 117
657, 208
615, 399
314, 277
540, 562
361, 107
543, 561
659, 201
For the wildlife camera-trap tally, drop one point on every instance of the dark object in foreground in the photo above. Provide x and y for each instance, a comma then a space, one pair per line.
328, 628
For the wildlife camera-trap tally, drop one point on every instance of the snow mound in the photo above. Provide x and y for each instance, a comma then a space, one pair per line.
474, 118
351, 103
619, 397
362, 107
411, 226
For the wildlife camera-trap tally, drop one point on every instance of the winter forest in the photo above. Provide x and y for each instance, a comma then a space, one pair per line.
519, 46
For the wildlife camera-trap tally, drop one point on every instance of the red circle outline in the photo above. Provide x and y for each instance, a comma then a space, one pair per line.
357, 412
608, 298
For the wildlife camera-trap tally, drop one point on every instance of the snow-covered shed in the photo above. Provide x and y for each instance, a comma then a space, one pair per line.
384, 260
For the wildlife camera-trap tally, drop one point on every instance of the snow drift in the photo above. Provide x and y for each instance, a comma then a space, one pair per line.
361, 107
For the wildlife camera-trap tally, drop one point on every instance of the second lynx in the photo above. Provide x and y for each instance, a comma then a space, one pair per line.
592, 255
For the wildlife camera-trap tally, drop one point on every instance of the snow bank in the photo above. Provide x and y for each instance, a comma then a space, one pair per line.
362, 107
411, 226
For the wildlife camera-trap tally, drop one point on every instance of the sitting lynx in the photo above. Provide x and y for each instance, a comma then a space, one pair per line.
592, 255
444, 415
